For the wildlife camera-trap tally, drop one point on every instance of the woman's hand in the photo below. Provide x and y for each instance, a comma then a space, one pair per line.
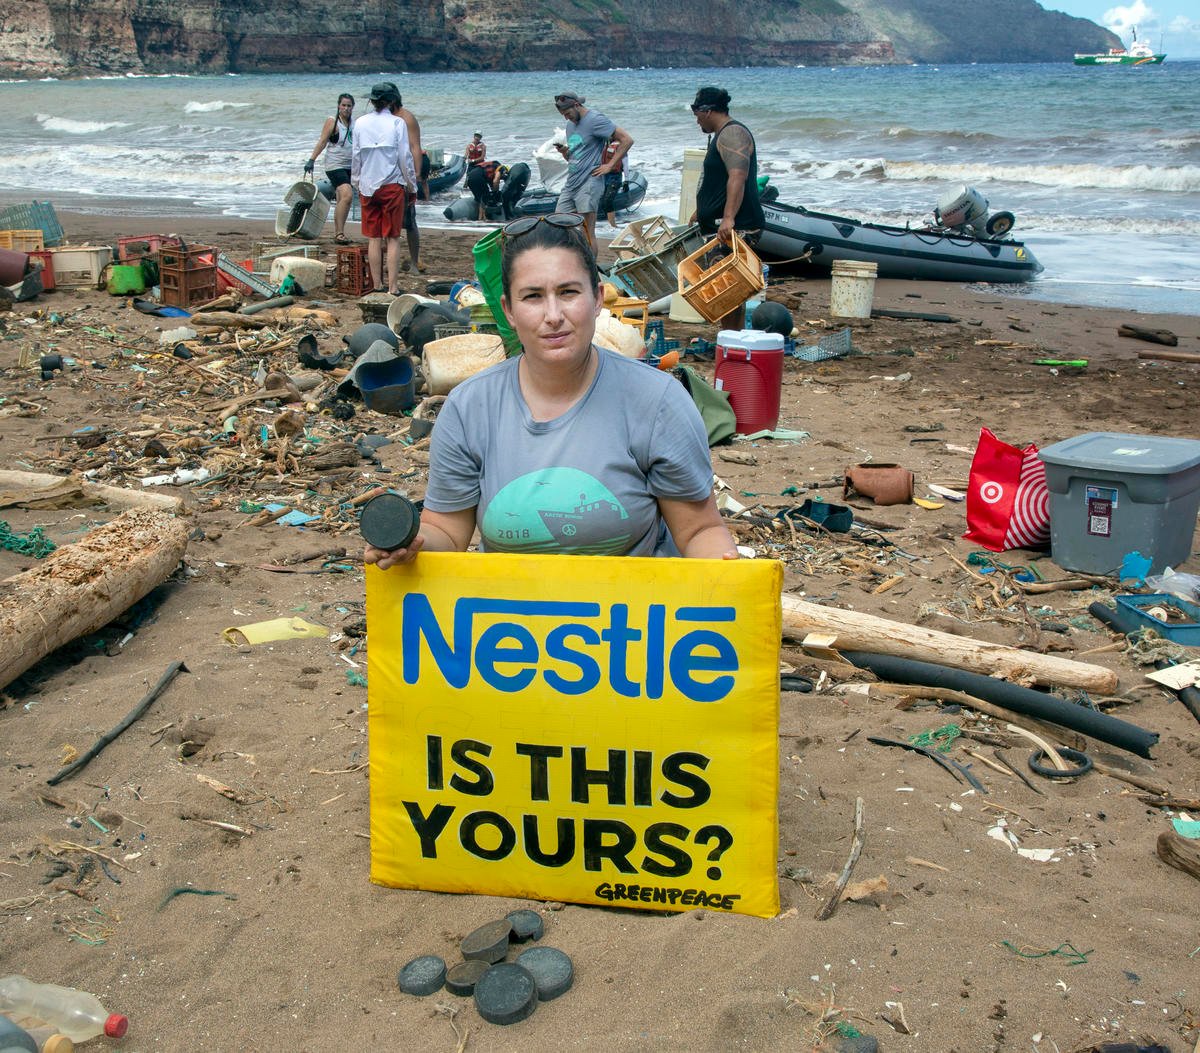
391, 557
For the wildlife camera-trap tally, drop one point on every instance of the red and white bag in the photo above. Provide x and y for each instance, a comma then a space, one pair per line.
1008, 504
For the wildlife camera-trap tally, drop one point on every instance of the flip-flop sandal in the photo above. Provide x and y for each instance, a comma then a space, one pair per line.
341, 239
379, 289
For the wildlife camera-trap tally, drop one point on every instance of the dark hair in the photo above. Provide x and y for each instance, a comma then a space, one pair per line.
716, 98
547, 236
336, 135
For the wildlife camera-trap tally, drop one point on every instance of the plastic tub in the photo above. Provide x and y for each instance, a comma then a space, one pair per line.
309, 273
80, 264
1112, 494
449, 362
1184, 631
304, 214
749, 366
852, 289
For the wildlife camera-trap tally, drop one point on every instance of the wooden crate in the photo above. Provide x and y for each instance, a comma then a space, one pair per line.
715, 291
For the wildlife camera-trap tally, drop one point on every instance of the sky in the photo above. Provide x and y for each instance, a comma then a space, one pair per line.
1176, 22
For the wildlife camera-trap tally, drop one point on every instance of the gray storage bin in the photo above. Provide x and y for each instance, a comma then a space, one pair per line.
1112, 494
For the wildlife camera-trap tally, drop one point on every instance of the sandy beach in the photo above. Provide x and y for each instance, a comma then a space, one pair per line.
962, 944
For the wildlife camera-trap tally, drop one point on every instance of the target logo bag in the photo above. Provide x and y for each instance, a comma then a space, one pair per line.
1008, 504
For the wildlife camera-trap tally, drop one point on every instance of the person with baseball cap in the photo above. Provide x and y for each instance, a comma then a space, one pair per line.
382, 171
588, 133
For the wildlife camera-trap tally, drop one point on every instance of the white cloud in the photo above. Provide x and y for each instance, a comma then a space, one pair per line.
1183, 24
1121, 20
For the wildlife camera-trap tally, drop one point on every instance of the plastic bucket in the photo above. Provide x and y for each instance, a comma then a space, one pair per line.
13, 266
749, 366
448, 362
389, 386
305, 212
126, 278
852, 289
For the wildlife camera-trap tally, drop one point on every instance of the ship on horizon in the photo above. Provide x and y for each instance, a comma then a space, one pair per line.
1139, 54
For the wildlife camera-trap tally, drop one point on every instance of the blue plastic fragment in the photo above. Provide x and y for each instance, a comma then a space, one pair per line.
1135, 567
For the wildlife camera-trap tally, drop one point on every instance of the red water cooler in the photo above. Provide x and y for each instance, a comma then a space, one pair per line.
749, 365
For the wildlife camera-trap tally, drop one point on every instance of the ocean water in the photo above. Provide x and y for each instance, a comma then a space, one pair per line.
1101, 166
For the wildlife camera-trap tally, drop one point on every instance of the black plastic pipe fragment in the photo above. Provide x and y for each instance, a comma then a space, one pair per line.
1023, 700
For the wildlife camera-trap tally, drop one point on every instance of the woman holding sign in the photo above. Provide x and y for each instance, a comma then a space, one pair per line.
567, 447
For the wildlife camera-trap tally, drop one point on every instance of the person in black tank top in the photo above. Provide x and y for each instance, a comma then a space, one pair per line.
727, 198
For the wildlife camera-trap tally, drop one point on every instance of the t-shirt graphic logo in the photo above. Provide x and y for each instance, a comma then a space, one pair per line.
556, 510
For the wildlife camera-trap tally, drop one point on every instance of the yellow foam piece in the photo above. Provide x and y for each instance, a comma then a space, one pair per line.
270, 631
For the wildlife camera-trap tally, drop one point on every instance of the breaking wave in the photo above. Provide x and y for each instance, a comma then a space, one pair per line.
213, 107
1181, 180
71, 127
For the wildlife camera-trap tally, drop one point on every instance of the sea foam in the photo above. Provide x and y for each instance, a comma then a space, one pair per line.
212, 107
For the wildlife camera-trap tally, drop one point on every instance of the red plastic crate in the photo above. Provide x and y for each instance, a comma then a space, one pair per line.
131, 248
47, 258
187, 276
353, 272
225, 282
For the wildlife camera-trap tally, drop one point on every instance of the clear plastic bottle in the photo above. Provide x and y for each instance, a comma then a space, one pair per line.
76, 1014
766, 276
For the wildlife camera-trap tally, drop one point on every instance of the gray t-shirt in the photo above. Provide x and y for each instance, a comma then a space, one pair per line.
586, 482
586, 141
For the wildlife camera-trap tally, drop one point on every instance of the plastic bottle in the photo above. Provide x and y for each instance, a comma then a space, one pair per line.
76, 1014
766, 276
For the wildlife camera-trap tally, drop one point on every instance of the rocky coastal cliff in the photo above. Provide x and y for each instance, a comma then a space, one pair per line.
80, 37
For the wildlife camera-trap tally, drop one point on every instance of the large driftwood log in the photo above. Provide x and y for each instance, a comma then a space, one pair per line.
84, 585
1179, 852
856, 631
39, 490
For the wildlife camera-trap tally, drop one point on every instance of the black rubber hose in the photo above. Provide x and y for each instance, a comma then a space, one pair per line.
1124, 622
1024, 700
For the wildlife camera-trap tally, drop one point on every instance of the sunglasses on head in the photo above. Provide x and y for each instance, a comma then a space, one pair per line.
701, 109
562, 220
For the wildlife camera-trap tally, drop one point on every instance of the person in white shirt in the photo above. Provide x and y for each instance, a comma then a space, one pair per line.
383, 173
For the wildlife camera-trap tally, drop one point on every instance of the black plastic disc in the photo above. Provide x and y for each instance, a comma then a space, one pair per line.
551, 969
462, 978
422, 976
526, 925
389, 521
505, 994
488, 943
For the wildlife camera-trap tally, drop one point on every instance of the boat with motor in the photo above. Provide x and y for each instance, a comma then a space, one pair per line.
964, 243
1139, 54
446, 172
538, 200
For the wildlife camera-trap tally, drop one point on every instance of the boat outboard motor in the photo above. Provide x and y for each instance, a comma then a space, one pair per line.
963, 209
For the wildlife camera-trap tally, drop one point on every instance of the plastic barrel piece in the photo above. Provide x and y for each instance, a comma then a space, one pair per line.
389, 521
551, 970
506, 994
422, 976
462, 978
526, 925
488, 943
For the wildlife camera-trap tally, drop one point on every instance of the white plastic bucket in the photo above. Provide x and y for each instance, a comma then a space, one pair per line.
852, 289
453, 359
305, 212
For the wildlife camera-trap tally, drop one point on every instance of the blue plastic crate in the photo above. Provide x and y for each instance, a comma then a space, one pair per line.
37, 215
1186, 633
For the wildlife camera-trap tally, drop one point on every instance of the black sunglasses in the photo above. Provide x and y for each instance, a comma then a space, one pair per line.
562, 220
701, 109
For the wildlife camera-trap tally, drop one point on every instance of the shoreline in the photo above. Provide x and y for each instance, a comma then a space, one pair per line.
1029, 308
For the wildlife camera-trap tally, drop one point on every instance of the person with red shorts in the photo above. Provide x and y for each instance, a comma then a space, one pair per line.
383, 172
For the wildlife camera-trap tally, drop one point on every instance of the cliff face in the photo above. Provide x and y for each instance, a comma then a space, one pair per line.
75, 37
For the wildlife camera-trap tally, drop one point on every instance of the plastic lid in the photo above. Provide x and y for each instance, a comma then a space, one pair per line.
750, 340
116, 1025
58, 1044
389, 521
1112, 451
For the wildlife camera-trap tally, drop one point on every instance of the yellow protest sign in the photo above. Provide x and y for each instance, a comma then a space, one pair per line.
582, 728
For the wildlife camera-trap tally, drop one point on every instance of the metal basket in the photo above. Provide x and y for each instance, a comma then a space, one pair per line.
835, 345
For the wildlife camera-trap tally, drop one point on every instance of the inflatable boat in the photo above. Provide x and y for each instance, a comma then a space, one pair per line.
934, 254
447, 174
538, 200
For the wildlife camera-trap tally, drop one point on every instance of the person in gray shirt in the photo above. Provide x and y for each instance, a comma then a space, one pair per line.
588, 133
568, 447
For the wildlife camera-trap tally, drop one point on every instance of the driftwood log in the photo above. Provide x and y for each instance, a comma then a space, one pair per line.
1169, 356
39, 490
84, 585
857, 631
1155, 336
1179, 852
